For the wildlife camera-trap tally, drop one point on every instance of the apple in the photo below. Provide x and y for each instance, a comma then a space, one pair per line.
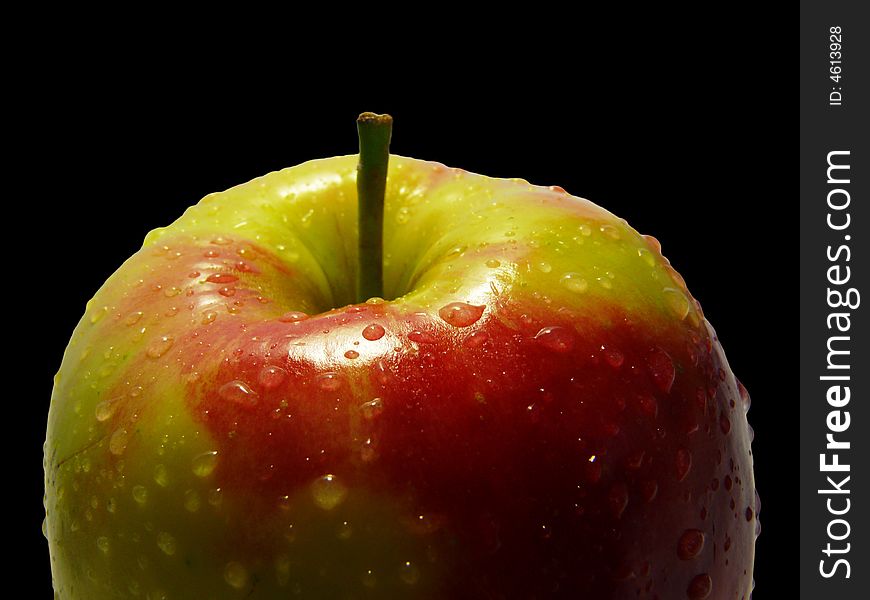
536, 408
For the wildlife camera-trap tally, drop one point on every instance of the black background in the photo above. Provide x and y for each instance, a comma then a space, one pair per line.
686, 139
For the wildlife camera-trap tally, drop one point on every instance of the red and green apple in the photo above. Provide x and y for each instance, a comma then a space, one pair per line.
535, 407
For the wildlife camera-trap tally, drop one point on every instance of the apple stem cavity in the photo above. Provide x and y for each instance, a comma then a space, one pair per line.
371, 182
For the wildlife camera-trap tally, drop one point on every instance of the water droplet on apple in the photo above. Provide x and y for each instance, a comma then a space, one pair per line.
161, 475
422, 337
140, 494
221, 241
293, 316
724, 423
613, 357
328, 492
345, 531
368, 579
648, 405
118, 441
382, 372
160, 346
690, 545
373, 332
171, 292
646, 256
403, 215
351, 354
209, 317
460, 314
661, 368
290, 533
99, 314
204, 464
683, 463
545, 267
284, 503
700, 587
271, 377
282, 569
744, 396
492, 263
476, 339
221, 278
617, 499
166, 543
236, 575
592, 465
328, 381
103, 544
372, 408
409, 573
133, 318
368, 452
421, 524
555, 338
757, 512
105, 409
238, 392
635, 461
677, 302
227, 292
610, 231
192, 501
574, 282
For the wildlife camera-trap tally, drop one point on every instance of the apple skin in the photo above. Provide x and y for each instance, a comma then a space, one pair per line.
541, 412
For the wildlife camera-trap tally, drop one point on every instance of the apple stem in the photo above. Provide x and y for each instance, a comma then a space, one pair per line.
371, 182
